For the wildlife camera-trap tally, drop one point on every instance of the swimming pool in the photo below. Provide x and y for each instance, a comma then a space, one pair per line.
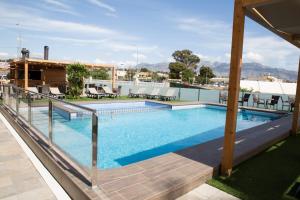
129, 137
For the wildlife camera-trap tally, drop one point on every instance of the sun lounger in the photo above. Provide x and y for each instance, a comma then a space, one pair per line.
54, 91
137, 92
34, 93
258, 101
153, 94
93, 93
168, 94
273, 101
290, 103
109, 92
245, 98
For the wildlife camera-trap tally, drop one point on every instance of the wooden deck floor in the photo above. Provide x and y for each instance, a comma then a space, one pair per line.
174, 174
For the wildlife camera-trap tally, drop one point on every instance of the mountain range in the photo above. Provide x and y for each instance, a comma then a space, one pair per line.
249, 70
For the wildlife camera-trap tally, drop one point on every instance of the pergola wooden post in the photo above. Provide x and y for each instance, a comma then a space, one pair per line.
16, 75
295, 124
234, 87
25, 75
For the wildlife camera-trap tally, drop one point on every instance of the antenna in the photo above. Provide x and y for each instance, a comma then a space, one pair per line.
19, 41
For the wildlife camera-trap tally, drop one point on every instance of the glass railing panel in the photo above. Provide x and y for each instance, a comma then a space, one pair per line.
189, 94
13, 94
5, 95
24, 102
72, 132
209, 96
40, 114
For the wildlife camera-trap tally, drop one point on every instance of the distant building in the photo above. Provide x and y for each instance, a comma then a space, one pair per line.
145, 75
121, 74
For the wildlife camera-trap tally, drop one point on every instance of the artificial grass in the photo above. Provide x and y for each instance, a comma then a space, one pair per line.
266, 176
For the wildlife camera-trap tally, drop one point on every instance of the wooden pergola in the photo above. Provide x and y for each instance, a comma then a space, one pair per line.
52, 72
282, 17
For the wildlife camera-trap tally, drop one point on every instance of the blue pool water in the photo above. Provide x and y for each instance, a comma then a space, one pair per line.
130, 137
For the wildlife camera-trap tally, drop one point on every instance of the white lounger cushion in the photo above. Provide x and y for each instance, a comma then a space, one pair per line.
93, 91
33, 89
55, 90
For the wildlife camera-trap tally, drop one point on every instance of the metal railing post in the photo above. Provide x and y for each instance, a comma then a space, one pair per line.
198, 94
29, 107
8, 103
94, 148
50, 108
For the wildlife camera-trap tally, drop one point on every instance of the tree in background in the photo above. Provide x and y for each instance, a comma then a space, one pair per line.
184, 66
205, 74
130, 74
76, 74
101, 74
144, 69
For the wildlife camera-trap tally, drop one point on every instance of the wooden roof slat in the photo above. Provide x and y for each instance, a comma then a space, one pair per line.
60, 63
256, 3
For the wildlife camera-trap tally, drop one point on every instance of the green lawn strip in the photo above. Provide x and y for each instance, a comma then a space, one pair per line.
266, 176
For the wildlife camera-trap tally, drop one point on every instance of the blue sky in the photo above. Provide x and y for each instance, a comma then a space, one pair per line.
111, 31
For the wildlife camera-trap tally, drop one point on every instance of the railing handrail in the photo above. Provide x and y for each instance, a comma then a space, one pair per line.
56, 99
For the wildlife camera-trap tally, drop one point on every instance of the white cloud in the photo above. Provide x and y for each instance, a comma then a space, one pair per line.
3, 54
105, 6
204, 27
59, 6
99, 61
118, 46
215, 36
270, 50
202, 57
253, 57
30, 21
139, 56
75, 40
57, 3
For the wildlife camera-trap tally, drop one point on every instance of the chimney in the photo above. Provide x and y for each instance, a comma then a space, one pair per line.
25, 53
46, 52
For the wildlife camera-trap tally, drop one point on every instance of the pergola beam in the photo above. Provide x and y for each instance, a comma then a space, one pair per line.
234, 87
256, 3
295, 123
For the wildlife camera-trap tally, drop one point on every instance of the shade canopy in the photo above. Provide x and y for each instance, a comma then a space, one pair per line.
279, 16
269, 87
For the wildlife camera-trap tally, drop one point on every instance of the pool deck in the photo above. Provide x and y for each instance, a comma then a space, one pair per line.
168, 176
19, 179
174, 174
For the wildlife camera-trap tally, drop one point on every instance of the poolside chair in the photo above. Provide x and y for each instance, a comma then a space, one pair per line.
223, 96
258, 101
137, 92
153, 94
54, 91
245, 98
290, 103
109, 92
34, 93
273, 101
168, 94
93, 93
